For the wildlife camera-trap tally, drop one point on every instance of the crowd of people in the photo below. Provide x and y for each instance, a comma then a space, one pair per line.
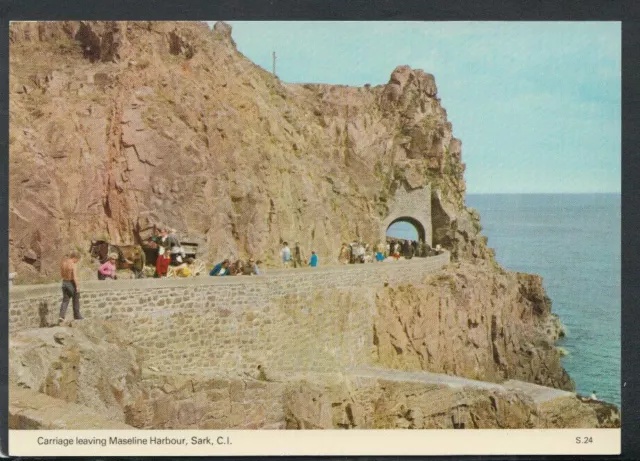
226, 267
170, 253
358, 252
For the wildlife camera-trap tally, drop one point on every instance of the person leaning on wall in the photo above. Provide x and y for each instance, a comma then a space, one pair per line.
220, 269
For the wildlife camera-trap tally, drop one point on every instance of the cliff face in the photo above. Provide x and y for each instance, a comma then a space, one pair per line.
472, 321
130, 124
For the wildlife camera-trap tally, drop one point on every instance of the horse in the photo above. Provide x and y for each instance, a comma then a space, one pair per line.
129, 256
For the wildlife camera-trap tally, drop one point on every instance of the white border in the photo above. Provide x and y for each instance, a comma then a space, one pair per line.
325, 442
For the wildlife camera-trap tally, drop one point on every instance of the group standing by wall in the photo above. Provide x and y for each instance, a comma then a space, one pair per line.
170, 252
296, 257
358, 253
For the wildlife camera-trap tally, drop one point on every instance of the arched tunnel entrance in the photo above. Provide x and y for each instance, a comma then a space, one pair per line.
406, 228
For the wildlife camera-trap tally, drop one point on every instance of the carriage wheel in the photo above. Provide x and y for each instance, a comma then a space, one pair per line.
198, 268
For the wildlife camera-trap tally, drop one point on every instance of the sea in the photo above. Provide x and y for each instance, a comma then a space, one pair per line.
573, 242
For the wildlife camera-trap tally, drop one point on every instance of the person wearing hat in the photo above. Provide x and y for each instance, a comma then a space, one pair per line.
108, 269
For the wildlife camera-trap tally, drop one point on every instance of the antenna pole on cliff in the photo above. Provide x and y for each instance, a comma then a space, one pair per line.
274, 64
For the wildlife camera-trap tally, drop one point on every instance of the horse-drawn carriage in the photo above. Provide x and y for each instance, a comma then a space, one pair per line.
141, 259
184, 254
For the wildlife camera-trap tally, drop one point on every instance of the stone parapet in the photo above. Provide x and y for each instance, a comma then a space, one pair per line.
288, 320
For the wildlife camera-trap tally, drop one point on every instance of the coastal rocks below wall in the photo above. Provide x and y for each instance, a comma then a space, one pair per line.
89, 364
29, 409
385, 399
471, 321
88, 372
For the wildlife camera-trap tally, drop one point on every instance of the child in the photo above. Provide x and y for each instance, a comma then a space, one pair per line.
108, 269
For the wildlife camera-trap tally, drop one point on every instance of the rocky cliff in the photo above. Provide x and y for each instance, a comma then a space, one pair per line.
474, 321
126, 124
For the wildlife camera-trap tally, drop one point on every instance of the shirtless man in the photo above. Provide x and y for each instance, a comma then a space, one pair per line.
70, 286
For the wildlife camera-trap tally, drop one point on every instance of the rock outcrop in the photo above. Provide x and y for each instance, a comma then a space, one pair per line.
144, 123
86, 375
91, 365
472, 321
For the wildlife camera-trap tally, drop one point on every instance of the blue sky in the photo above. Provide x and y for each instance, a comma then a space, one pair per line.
403, 230
536, 105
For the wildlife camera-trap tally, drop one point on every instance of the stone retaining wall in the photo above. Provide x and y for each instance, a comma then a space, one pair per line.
305, 319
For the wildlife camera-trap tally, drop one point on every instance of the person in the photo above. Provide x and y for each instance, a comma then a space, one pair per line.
108, 269
368, 253
438, 249
313, 262
285, 254
423, 249
343, 257
396, 251
169, 243
175, 247
593, 396
70, 286
360, 253
251, 268
162, 264
184, 269
236, 268
406, 250
297, 255
220, 269
380, 252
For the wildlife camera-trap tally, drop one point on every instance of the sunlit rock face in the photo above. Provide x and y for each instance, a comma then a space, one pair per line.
140, 123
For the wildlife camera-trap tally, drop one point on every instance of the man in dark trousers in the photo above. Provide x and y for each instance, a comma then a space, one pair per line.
70, 286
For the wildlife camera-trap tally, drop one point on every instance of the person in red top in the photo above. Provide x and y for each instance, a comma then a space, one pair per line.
108, 269
162, 264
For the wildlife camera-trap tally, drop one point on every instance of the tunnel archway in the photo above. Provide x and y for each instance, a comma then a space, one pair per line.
396, 230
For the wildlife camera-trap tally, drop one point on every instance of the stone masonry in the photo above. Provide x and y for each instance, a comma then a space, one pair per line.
287, 320
412, 205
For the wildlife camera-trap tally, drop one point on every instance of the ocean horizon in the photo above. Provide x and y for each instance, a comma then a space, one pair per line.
572, 240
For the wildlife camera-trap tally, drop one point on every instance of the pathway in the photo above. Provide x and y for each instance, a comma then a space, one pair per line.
538, 394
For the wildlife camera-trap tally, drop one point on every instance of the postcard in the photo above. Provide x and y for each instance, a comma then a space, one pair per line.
299, 238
